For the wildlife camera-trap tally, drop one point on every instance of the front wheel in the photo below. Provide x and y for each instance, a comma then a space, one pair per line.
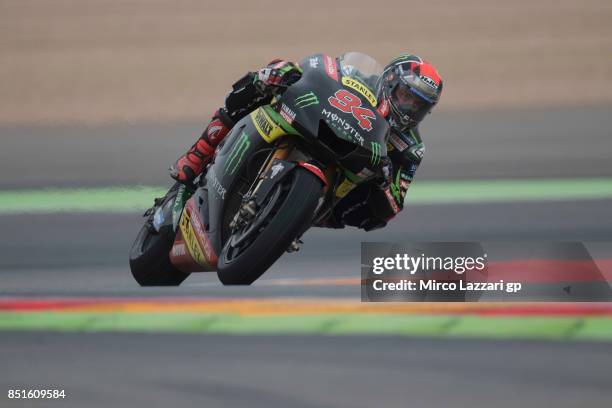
286, 214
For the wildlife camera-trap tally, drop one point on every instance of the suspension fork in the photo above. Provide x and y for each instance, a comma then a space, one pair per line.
248, 208
281, 153
325, 209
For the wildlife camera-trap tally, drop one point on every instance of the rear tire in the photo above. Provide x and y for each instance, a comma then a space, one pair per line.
293, 214
150, 254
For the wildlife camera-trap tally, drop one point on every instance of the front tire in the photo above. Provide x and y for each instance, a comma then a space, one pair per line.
291, 215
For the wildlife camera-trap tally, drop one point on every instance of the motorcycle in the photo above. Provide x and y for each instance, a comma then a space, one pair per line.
280, 171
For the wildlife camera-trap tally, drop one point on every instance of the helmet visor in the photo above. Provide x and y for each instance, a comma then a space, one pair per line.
407, 102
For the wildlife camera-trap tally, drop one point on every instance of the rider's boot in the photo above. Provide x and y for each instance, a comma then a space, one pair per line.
193, 163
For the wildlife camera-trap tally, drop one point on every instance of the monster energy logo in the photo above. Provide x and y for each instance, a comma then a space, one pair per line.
238, 150
375, 153
402, 57
306, 100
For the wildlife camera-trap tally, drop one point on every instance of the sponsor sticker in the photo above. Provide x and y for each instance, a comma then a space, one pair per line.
344, 188
361, 88
179, 250
238, 149
276, 169
287, 113
203, 238
419, 151
313, 62
267, 128
347, 102
330, 67
375, 146
190, 239
383, 109
217, 186
397, 142
391, 201
339, 123
308, 99
429, 82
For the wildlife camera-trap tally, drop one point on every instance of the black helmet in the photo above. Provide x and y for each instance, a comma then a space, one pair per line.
411, 86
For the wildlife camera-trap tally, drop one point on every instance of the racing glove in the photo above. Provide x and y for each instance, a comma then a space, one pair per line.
399, 187
394, 186
276, 75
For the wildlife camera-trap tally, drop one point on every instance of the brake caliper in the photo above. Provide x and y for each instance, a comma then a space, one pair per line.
244, 215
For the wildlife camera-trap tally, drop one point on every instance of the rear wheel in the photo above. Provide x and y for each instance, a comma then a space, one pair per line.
150, 253
287, 212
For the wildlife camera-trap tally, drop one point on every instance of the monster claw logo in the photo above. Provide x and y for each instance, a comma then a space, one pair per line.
238, 150
305, 100
375, 153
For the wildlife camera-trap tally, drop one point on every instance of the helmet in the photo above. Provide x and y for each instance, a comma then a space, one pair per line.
411, 86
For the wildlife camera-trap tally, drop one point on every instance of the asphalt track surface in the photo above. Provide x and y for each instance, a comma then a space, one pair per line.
86, 255
569, 142
101, 370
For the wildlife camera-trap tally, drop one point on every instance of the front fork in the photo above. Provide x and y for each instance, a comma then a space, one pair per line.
269, 174
282, 152
250, 205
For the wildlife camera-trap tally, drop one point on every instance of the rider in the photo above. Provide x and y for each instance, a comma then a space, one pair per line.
408, 89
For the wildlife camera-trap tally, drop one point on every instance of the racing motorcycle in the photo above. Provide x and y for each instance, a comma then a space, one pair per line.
281, 170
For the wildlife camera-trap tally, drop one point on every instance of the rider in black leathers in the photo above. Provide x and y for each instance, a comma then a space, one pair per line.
409, 88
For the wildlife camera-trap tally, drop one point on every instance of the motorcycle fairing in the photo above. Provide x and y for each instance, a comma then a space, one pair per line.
309, 99
230, 161
192, 250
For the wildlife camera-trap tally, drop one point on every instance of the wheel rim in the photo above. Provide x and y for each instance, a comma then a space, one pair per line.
237, 244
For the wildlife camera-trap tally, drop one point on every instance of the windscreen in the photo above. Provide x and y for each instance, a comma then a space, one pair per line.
361, 67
